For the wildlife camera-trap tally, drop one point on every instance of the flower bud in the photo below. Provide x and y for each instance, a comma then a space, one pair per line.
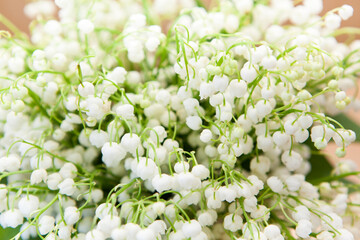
71, 215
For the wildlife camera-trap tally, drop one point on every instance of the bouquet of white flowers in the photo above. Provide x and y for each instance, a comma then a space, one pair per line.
171, 119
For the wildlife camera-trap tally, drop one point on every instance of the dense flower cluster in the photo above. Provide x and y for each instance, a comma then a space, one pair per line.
144, 120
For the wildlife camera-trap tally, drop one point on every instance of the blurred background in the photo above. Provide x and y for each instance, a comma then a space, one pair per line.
13, 10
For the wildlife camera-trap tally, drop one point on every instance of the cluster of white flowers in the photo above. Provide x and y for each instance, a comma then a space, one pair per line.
145, 120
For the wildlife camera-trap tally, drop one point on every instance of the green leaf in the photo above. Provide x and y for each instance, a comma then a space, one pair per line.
8, 233
320, 167
37, 100
221, 60
347, 123
200, 3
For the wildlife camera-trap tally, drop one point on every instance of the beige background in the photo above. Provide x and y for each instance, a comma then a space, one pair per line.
13, 9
